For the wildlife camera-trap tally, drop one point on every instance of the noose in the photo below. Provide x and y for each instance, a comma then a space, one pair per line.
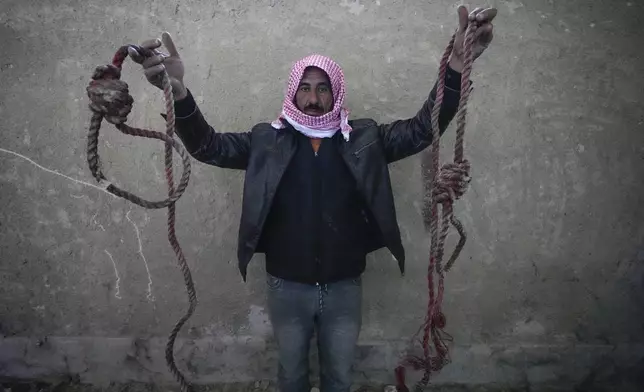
110, 100
448, 183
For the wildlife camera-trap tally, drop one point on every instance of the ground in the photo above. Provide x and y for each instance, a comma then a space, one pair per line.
262, 386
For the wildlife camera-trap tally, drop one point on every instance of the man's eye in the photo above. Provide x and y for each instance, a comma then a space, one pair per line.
323, 89
304, 88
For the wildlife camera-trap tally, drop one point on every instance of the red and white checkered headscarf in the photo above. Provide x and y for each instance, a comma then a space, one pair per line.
323, 126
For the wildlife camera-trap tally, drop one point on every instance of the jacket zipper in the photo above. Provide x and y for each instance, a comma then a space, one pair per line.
363, 147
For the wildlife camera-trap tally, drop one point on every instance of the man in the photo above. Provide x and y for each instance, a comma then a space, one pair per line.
317, 197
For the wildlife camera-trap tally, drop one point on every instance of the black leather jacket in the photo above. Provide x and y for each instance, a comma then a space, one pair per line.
265, 152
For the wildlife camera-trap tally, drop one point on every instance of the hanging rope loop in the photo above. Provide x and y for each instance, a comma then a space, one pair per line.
447, 184
111, 100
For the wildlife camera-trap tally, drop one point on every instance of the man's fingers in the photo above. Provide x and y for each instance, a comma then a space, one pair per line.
160, 53
462, 18
475, 12
135, 55
484, 35
152, 61
485, 29
169, 44
151, 44
154, 71
487, 38
486, 15
138, 53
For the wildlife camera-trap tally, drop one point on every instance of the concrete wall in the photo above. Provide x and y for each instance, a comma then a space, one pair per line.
549, 288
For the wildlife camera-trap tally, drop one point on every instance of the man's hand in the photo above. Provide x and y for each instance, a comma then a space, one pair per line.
482, 37
154, 65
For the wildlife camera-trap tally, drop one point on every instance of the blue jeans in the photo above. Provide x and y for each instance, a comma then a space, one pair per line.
335, 311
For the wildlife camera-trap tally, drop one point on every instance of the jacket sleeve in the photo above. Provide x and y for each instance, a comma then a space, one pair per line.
403, 138
226, 150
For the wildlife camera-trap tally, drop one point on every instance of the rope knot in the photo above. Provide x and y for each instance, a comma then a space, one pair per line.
109, 96
451, 182
108, 71
439, 320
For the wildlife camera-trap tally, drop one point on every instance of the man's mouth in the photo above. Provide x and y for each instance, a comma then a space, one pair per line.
313, 111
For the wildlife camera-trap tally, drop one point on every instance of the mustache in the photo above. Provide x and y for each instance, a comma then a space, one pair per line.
313, 107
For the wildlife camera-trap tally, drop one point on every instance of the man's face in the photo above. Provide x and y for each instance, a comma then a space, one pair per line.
314, 96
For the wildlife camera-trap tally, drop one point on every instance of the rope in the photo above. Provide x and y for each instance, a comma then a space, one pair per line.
448, 184
110, 100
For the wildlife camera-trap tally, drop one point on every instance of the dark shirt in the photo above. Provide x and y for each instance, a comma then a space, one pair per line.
317, 229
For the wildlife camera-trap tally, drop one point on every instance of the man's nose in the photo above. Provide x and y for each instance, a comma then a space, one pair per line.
313, 98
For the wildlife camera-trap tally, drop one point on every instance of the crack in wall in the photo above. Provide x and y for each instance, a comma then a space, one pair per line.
150, 297
118, 278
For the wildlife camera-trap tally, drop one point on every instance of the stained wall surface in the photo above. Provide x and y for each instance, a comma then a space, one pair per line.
548, 289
